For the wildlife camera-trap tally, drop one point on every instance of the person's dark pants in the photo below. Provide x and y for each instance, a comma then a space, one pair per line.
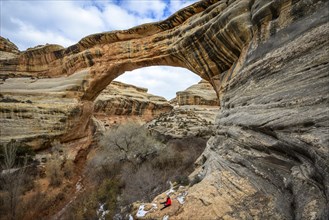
165, 206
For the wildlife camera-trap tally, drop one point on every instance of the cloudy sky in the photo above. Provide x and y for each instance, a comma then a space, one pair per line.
28, 23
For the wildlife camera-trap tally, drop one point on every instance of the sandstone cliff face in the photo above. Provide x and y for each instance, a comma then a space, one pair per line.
268, 62
36, 111
200, 94
119, 99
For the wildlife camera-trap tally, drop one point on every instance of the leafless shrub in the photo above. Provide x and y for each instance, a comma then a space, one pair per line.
129, 142
87, 204
58, 166
142, 165
141, 184
11, 181
30, 208
54, 172
68, 168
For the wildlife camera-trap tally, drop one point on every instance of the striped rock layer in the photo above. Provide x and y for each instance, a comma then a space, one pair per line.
120, 99
267, 61
198, 94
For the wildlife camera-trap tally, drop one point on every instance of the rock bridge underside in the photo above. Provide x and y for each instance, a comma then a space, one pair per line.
267, 61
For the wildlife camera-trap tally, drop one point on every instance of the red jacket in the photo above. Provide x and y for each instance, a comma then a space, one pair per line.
168, 202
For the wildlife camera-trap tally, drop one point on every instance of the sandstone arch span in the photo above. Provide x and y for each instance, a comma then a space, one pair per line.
187, 39
206, 38
267, 60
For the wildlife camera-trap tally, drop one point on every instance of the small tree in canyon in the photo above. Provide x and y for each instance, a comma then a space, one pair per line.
12, 179
140, 165
129, 142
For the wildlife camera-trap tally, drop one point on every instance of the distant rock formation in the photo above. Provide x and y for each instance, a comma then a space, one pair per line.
185, 121
268, 63
200, 94
120, 99
7, 46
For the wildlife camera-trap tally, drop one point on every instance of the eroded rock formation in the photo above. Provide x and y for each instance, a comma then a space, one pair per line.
268, 62
185, 121
120, 99
199, 94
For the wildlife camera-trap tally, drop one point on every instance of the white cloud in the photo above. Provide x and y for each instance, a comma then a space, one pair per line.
117, 18
66, 22
23, 22
29, 23
144, 8
161, 80
176, 5
28, 35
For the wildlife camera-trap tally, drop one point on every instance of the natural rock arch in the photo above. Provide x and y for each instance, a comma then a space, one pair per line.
206, 38
268, 62
187, 39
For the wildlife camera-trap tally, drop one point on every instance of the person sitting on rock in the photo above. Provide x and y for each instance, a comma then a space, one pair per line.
166, 203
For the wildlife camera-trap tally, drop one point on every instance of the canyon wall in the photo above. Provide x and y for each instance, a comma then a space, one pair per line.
268, 62
269, 158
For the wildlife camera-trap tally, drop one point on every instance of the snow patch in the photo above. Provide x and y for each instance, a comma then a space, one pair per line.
9, 171
181, 197
78, 186
171, 190
130, 217
166, 217
141, 212
154, 206
101, 212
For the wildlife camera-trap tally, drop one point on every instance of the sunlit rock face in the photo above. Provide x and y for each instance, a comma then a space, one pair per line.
199, 94
36, 111
120, 99
268, 62
7, 46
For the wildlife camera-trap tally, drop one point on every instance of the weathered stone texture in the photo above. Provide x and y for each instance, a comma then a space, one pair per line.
128, 100
199, 94
7, 46
185, 121
267, 61
36, 111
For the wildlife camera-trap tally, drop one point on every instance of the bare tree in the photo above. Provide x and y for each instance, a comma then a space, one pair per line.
9, 155
12, 177
141, 184
130, 142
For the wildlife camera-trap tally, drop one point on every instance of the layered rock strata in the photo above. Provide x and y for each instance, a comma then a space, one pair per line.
268, 62
7, 46
199, 94
185, 121
120, 99
37, 111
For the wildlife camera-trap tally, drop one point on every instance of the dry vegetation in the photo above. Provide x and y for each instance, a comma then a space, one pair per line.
133, 166
25, 191
129, 165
